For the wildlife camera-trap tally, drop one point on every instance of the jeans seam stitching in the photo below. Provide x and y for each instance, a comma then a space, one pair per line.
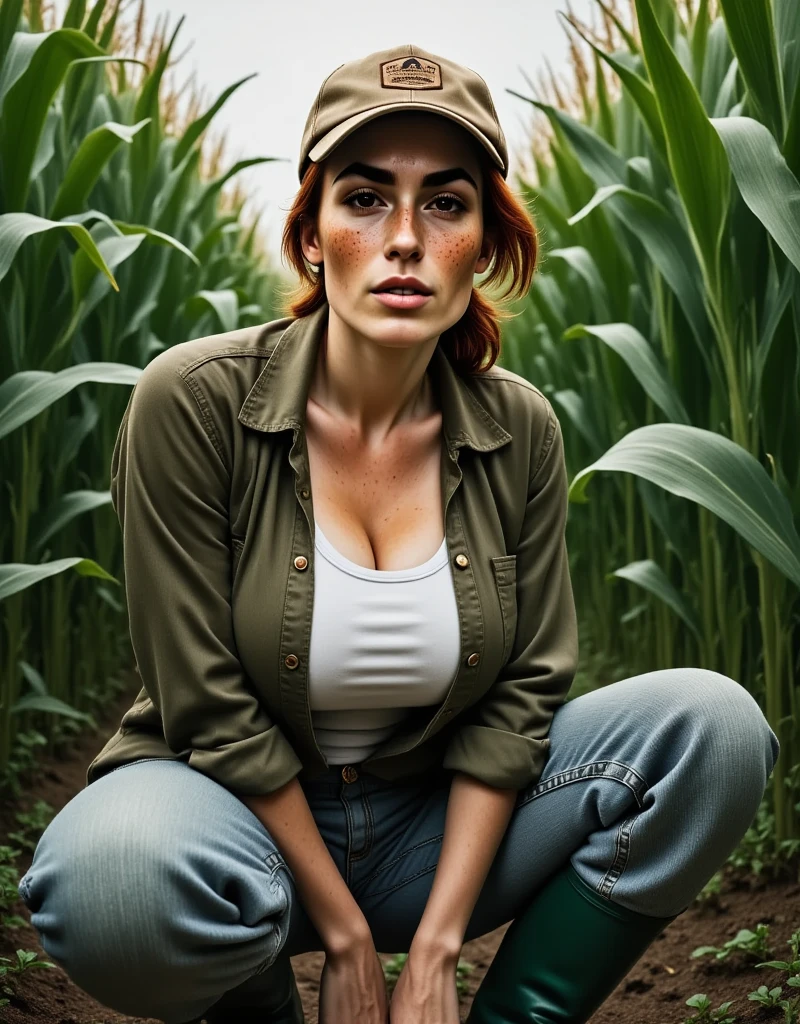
621, 856
343, 799
391, 863
592, 769
399, 885
369, 824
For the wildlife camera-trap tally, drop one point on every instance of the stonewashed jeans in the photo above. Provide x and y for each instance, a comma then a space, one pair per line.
158, 891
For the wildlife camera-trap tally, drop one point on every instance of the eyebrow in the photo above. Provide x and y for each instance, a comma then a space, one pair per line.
384, 177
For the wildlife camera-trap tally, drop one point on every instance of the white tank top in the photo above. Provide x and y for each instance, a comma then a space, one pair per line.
382, 641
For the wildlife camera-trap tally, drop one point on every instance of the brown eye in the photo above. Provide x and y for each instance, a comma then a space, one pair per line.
363, 194
450, 199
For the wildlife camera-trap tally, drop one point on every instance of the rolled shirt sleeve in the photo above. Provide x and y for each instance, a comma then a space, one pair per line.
170, 487
503, 741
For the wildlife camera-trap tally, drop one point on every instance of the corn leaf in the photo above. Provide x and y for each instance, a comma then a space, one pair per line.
695, 152
767, 185
641, 360
17, 576
32, 72
25, 394
714, 472
648, 575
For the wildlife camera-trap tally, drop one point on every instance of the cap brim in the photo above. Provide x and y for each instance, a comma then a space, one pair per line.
341, 131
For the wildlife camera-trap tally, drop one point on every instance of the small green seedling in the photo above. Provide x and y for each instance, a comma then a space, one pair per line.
394, 966
9, 894
793, 965
26, 960
745, 941
33, 823
766, 996
702, 1003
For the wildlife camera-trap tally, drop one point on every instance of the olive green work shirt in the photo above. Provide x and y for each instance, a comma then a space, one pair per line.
210, 483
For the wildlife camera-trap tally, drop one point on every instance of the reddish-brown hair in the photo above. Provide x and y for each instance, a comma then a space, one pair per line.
476, 335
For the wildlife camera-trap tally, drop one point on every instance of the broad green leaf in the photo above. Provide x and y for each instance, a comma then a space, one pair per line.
668, 247
49, 704
24, 395
32, 72
714, 472
87, 165
93, 21
15, 228
66, 508
158, 237
224, 303
76, 12
696, 156
582, 262
47, 143
10, 14
767, 185
648, 575
575, 408
752, 34
600, 160
18, 576
115, 249
641, 360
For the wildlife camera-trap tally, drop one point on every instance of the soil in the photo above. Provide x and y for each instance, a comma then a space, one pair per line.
653, 992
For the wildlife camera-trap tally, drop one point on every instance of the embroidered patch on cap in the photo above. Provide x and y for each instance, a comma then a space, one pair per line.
411, 73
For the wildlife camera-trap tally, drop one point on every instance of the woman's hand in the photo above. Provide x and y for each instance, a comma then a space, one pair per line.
352, 986
426, 991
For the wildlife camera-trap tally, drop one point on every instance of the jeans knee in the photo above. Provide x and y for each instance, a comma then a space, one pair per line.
732, 715
149, 930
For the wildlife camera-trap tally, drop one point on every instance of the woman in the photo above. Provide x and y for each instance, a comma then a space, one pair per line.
353, 733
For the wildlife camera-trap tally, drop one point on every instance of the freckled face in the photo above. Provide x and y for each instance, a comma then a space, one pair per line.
370, 229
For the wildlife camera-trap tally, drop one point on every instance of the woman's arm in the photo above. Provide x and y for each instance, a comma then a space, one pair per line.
323, 892
477, 819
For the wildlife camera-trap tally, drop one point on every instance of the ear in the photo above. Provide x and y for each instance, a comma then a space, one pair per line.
309, 241
486, 253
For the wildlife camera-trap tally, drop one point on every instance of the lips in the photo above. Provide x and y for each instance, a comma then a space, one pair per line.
412, 284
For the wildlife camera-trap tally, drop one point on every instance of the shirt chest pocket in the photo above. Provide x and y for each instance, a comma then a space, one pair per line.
504, 568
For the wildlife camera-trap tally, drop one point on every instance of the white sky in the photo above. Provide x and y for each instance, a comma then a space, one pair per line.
294, 45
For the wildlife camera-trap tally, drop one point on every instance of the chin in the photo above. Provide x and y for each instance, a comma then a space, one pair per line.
402, 328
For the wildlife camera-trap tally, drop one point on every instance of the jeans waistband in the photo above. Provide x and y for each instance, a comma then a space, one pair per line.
331, 781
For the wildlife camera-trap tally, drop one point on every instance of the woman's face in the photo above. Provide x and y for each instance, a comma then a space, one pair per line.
401, 197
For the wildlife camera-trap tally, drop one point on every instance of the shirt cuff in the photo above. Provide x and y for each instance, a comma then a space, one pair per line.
498, 758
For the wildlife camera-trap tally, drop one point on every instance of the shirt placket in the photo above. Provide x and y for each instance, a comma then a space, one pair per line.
296, 633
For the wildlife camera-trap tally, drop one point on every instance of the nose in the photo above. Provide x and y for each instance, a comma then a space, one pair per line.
404, 234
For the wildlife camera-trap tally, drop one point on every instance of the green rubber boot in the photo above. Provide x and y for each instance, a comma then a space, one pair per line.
563, 956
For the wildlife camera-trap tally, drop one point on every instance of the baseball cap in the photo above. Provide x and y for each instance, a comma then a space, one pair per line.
401, 78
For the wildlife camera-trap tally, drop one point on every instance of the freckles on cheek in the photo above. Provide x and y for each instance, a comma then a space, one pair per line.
346, 248
457, 253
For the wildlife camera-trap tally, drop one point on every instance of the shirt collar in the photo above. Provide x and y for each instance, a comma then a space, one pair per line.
279, 396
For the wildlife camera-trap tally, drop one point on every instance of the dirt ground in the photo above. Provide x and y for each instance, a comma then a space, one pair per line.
654, 991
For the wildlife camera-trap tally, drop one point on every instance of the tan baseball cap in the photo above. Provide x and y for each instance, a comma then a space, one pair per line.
402, 78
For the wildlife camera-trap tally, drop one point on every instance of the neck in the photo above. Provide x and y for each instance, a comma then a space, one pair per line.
374, 387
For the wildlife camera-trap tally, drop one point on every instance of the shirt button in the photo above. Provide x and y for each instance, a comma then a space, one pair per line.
291, 661
462, 561
305, 493
349, 774
301, 562
474, 658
